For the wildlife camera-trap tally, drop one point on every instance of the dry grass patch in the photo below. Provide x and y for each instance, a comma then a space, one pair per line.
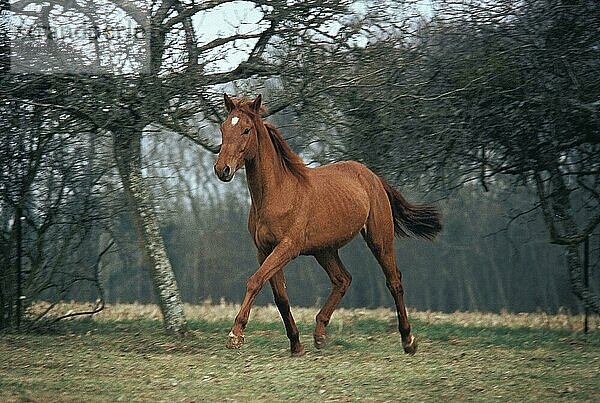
226, 312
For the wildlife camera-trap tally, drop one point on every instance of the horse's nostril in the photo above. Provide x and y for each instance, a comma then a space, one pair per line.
226, 171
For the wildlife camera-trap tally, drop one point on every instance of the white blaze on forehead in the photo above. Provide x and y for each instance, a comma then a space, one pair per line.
234, 120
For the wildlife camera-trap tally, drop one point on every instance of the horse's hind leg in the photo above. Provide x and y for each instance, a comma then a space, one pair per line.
340, 280
380, 239
283, 304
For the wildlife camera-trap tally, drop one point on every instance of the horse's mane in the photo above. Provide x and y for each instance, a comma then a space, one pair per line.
245, 104
289, 159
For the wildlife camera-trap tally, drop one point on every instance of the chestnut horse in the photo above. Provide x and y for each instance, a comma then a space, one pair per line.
312, 211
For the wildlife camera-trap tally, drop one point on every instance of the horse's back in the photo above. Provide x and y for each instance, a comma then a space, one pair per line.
347, 175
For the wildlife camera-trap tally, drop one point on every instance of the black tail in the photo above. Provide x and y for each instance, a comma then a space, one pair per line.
412, 220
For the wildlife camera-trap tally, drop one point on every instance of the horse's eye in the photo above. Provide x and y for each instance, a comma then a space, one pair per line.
246, 131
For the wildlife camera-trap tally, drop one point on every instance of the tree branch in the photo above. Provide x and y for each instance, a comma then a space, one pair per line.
196, 138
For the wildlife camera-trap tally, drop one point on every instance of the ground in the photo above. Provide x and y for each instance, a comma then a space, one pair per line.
124, 355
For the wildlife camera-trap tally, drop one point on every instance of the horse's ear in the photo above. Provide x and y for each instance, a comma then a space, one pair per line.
257, 103
228, 103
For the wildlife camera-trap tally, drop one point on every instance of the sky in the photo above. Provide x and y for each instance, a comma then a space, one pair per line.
240, 17
118, 44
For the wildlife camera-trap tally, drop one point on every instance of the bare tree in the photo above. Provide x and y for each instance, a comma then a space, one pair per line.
164, 74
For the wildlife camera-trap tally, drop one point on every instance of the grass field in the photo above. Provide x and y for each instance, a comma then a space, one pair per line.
122, 354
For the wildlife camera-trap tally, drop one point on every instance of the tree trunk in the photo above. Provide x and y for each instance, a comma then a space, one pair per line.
127, 148
561, 224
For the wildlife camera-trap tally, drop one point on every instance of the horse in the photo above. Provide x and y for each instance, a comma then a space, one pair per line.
298, 210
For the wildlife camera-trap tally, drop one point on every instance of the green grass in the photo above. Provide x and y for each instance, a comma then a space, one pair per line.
133, 360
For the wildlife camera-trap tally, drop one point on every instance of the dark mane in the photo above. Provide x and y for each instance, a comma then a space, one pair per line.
289, 159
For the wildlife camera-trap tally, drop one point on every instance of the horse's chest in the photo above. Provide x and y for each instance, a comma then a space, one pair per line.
264, 236
273, 224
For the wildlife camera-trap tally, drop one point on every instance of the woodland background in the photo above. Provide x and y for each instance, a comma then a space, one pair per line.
489, 109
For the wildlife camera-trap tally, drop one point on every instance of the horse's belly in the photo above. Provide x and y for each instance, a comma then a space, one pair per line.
336, 224
317, 244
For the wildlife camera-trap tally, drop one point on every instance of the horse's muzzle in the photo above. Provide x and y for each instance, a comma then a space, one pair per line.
225, 174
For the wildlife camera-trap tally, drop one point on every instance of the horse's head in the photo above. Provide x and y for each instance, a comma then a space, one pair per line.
239, 137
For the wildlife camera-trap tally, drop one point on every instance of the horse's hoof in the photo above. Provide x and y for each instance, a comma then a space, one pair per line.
320, 340
410, 347
234, 341
298, 352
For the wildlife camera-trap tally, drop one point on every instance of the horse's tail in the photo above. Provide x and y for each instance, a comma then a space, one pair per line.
412, 220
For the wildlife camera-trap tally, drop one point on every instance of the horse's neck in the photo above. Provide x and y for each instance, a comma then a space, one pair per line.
265, 174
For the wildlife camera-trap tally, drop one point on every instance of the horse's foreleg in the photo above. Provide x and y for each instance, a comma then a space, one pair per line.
283, 304
340, 281
281, 255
